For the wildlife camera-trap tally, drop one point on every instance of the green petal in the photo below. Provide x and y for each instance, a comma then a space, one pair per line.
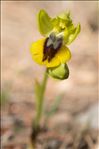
61, 72
66, 18
64, 15
56, 27
72, 34
44, 23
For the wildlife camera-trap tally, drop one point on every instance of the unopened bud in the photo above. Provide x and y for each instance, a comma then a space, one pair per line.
61, 72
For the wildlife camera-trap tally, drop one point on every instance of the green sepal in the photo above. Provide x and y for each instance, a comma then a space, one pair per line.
44, 23
60, 72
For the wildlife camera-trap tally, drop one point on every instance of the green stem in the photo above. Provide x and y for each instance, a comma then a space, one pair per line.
39, 105
40, 90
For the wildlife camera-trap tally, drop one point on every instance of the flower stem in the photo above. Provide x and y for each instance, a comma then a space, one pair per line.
39, 105
40, 90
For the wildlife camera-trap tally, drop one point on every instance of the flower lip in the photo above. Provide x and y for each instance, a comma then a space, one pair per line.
37, 51
51, 46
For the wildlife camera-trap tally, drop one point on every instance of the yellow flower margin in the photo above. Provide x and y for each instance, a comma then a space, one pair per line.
62, 56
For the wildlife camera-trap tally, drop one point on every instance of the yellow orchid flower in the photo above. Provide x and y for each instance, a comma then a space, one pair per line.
62, 54
52, 51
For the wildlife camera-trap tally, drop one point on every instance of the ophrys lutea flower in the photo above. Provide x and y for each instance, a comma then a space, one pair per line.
52, 51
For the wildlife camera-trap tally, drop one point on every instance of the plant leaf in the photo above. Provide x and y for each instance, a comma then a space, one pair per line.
55, 106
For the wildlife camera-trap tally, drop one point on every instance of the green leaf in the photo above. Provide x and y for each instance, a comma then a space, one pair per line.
44, 23
61, 72
54, 106
72, 34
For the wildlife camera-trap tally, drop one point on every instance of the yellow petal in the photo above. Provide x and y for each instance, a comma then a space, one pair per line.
62, 56
36, 50
53, 63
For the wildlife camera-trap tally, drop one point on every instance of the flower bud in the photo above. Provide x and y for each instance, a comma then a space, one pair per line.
61, 72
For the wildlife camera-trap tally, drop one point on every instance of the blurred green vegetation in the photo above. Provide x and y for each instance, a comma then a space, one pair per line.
4, 97
55, 106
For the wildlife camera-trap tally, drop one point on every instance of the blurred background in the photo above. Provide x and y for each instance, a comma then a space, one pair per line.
79, 93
